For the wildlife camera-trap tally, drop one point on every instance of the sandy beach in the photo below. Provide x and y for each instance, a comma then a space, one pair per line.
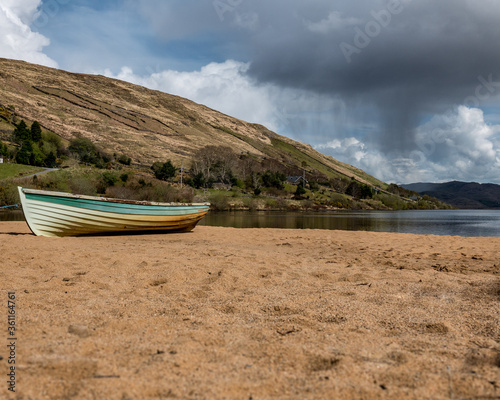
223, 313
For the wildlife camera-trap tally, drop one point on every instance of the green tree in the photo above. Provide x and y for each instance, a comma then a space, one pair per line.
359, 190
163, 171
300, 191
50, 160
198, 181
24, 153
107, 180
273, 179
4, 150
37, 158
21, 133
366, 192
36, 132
52, 142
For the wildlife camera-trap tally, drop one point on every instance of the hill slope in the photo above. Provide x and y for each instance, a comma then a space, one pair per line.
145, 124
466, 195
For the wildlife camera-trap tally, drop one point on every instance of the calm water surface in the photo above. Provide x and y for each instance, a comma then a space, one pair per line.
6, 215
435, 222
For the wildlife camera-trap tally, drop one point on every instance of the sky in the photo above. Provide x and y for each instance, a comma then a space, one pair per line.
407, 90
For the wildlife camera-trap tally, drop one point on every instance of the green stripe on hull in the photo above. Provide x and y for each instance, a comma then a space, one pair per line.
119, 208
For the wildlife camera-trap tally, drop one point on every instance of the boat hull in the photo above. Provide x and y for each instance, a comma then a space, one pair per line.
63, 214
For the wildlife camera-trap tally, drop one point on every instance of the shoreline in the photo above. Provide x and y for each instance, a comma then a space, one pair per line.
253, 313
461, 223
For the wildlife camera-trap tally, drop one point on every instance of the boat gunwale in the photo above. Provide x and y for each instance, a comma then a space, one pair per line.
110, 199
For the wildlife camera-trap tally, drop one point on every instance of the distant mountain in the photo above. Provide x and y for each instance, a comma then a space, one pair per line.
465, 195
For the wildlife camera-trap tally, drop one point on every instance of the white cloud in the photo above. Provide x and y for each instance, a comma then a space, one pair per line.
463, 141
353, 151
227, 88
458, 145
388, 168
17, 40
221, 86
350, 148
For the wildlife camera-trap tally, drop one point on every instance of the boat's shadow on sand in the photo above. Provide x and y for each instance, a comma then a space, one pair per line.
135, 233
110, 234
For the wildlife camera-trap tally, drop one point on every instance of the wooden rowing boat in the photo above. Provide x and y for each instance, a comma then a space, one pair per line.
64, 214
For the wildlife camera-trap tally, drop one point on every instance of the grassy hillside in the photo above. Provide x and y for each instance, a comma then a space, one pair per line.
17, 170
126, 133
147, 125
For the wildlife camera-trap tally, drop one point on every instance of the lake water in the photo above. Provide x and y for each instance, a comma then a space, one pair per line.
435, 222
6, 215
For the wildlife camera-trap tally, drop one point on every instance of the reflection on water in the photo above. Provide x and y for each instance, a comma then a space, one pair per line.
435, 222
16, 215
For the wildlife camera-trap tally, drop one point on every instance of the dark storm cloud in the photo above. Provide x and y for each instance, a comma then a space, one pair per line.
372, 82
406, 58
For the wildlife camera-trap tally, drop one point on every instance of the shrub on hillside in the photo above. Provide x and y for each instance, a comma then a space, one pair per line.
165, 193
4, 150
251, 203
300, 191
359, 190
219, 202
273, 179
163, 171
88, 153
125, 160
124, 177
121, 192
50, 160
83, 185
339, 200
52, 142
107, 180
8, 194
37, 158
393, 202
